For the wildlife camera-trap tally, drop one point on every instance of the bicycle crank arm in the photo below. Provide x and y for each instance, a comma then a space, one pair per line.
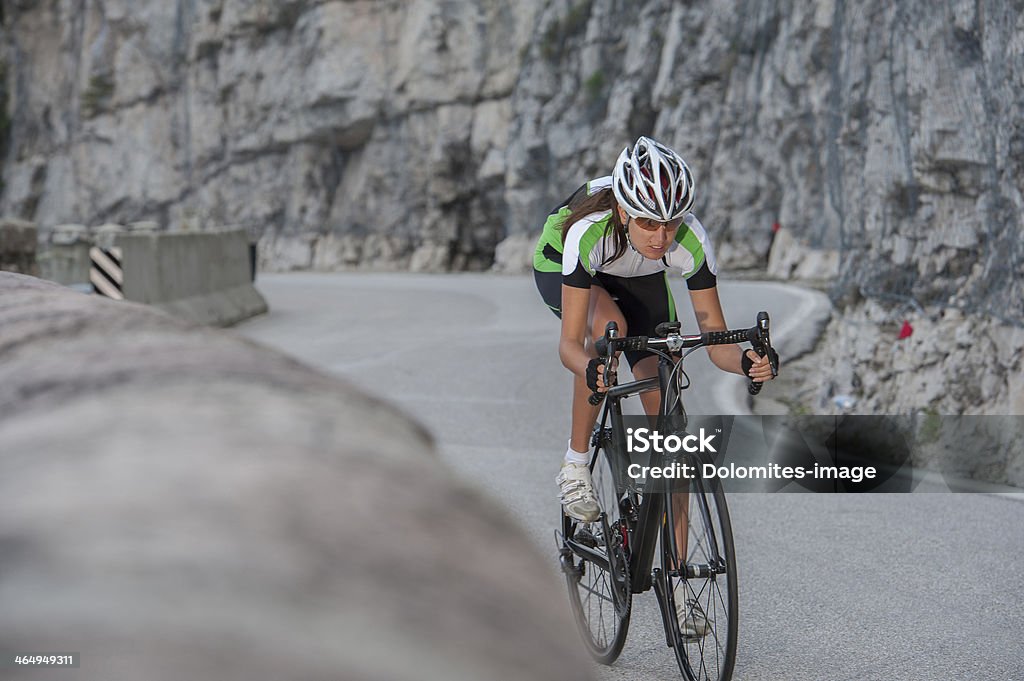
587, 553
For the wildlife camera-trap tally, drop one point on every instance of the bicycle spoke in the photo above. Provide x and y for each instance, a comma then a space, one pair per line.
595, 593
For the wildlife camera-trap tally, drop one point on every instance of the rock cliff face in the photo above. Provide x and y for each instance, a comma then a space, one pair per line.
436, 134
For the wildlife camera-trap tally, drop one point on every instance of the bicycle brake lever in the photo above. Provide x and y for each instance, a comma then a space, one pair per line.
611, 330
766, 343
763, 346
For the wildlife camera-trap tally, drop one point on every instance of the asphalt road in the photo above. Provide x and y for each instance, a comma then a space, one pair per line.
899, 586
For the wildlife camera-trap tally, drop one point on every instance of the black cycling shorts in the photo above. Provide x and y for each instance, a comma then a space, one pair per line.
644, 302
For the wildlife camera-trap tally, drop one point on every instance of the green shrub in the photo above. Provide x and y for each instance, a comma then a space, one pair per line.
97, 95
594, 85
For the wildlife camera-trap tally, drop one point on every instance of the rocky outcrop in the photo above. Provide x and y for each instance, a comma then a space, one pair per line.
422, 135
881, 358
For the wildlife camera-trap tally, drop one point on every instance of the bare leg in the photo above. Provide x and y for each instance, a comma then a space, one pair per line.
648, 368
602, 310
680, 513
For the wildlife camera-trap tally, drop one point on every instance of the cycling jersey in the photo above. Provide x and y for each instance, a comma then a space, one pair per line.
589, 248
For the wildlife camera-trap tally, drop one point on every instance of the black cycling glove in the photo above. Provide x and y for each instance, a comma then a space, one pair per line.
747, 364
592, 372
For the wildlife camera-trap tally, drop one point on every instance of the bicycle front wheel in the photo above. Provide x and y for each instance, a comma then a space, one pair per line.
701, 590
595, 562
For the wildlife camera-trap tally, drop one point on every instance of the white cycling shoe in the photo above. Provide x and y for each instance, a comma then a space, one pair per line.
576, 492
693, 621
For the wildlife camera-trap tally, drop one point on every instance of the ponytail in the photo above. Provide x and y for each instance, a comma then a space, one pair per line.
583, 204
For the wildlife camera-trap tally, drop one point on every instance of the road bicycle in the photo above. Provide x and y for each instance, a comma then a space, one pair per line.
685, 522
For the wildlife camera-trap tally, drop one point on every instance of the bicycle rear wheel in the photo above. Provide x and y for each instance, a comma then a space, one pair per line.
595, 562
701, 591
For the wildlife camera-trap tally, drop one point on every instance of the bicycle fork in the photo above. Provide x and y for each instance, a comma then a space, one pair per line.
661, 594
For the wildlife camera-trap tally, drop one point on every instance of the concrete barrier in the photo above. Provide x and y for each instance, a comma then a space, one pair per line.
204, 277
64, 255
18, 246
177, 503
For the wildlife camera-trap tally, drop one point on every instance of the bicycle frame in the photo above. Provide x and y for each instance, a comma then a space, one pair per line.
686, 516
649, 513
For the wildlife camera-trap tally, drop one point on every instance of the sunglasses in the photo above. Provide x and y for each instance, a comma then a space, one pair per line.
649, 225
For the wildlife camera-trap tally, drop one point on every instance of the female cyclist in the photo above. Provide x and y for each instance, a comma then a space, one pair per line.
604, 255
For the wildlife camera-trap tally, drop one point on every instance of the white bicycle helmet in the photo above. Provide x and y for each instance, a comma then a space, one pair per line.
652, 181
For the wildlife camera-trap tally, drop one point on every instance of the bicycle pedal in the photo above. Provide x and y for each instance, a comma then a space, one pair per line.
585, 537
567, 561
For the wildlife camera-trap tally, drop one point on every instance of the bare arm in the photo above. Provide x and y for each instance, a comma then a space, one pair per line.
572, 344
708, 309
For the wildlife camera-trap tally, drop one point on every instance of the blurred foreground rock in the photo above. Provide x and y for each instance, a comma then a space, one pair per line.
176, 503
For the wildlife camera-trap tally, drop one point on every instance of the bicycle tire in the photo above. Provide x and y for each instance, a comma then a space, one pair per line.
601, 599
712, 583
